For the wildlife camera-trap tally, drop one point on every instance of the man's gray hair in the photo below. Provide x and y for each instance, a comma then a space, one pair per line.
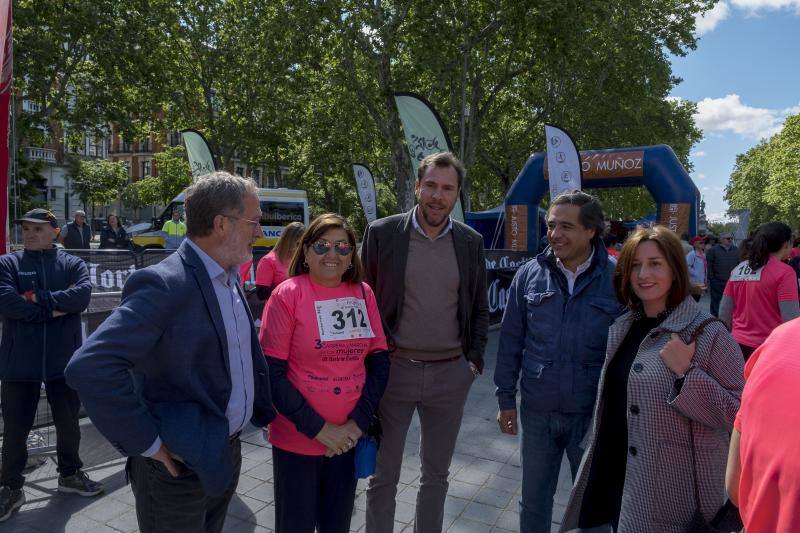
218, 193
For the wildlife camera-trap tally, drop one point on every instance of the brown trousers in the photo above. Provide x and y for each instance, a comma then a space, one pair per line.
437, 391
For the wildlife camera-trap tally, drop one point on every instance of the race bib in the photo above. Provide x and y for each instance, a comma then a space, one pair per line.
343, 319
743, 272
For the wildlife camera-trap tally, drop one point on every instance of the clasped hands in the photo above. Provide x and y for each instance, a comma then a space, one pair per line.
339, 439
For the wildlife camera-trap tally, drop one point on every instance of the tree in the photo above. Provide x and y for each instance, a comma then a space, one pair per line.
98, 181
766, 178
173, 173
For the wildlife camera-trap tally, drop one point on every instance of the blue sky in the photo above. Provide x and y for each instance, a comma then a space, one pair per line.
745, 77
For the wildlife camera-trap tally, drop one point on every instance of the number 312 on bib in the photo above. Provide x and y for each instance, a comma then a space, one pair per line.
343, 319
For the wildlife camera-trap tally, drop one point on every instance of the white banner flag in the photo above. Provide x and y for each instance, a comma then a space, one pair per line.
366, 191
563, 161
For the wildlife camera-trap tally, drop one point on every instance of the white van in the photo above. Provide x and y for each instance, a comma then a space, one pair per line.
279, 207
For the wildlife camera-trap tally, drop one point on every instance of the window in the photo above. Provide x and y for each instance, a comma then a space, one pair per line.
52, 194
127, 164
240, 171
174, 138
125, 146
257, 175
146, 168
145, 146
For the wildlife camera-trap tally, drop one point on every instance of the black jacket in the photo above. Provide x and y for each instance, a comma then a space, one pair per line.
109, 239
385, 252
36, 346
77, 238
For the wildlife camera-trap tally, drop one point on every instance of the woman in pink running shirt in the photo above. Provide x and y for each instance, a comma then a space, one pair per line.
328, 362
761, 293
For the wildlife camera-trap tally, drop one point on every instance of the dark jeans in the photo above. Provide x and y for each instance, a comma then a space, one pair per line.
19, 400
166, 504
545, 438
313, 491
715, 290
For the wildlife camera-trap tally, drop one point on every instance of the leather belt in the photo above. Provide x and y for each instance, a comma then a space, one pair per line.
456, 358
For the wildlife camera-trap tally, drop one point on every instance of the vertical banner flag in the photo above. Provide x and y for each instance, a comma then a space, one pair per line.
200, 159
563, 162
425, 133
6, 64
744, 225
366, 191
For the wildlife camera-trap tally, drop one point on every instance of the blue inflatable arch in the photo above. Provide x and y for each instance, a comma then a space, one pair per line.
655, 167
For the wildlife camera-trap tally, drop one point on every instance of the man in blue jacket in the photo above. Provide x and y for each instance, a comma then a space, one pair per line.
43, 291
554, 333
176, 372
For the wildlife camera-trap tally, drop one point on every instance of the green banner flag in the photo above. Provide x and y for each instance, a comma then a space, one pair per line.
200, 159
425, 133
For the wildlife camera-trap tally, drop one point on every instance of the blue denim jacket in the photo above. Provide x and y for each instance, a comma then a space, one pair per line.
556, 340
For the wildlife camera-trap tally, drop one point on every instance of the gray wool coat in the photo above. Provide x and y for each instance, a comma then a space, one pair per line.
658, 494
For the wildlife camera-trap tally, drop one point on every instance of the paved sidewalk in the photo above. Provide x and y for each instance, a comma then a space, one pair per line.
483, 495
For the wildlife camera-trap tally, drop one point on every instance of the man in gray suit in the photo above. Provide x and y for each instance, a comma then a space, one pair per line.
172, 377
429, 276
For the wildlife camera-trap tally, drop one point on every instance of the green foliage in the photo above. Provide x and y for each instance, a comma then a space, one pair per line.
31, 190
142, 193
98, 181
766, 178
310, 84
718, 228
173, 173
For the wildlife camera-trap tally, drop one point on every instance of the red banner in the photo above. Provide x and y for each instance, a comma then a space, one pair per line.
6, 61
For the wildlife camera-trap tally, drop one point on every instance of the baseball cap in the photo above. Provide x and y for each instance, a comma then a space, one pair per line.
695, 239
38, 216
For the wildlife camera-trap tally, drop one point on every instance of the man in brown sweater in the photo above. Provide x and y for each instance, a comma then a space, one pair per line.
429, 275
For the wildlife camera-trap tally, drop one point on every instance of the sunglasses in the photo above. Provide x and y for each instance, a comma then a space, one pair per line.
342, 248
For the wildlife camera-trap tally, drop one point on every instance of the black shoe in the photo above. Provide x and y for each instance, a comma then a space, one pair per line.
10, 501
79, 483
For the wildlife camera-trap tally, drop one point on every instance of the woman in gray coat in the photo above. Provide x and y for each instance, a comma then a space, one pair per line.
671, 377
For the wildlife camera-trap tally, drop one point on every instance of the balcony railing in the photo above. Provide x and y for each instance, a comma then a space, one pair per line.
48, 155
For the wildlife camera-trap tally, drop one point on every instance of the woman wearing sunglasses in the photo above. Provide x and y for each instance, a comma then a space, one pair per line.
322, 335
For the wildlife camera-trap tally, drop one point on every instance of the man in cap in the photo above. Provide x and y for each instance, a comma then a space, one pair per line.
76, 235
43, 291
721, 260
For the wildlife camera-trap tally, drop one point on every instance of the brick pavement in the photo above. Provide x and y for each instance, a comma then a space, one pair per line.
483, 495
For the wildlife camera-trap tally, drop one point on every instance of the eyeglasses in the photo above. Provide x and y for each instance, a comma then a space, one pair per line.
342, 247
253, 223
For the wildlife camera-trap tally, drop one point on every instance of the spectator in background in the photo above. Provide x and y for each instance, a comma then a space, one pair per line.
669, 392
698, 269
763, 475
272, 269
721, 259
795, 251
43, 291
325, 399
709, 241
762, 291
175, 231
113, 235
76, 235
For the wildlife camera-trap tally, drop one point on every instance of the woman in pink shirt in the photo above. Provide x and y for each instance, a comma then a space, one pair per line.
761, 293
328, 362
763, 476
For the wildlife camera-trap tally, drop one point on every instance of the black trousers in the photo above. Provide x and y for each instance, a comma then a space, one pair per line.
19, 400
716, 288
747, 351
166, 504
313, 491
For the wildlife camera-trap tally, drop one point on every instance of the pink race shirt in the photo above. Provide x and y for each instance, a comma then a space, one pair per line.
769, 422
756, 296
271, 271
324, 334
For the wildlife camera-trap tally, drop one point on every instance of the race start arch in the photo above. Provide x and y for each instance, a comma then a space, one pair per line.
655, 167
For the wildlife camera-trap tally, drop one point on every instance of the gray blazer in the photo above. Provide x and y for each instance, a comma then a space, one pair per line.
385, 253
658, 494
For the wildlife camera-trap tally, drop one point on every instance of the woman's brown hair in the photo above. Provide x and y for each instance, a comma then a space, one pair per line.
290, 235
670, 246
313, 232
